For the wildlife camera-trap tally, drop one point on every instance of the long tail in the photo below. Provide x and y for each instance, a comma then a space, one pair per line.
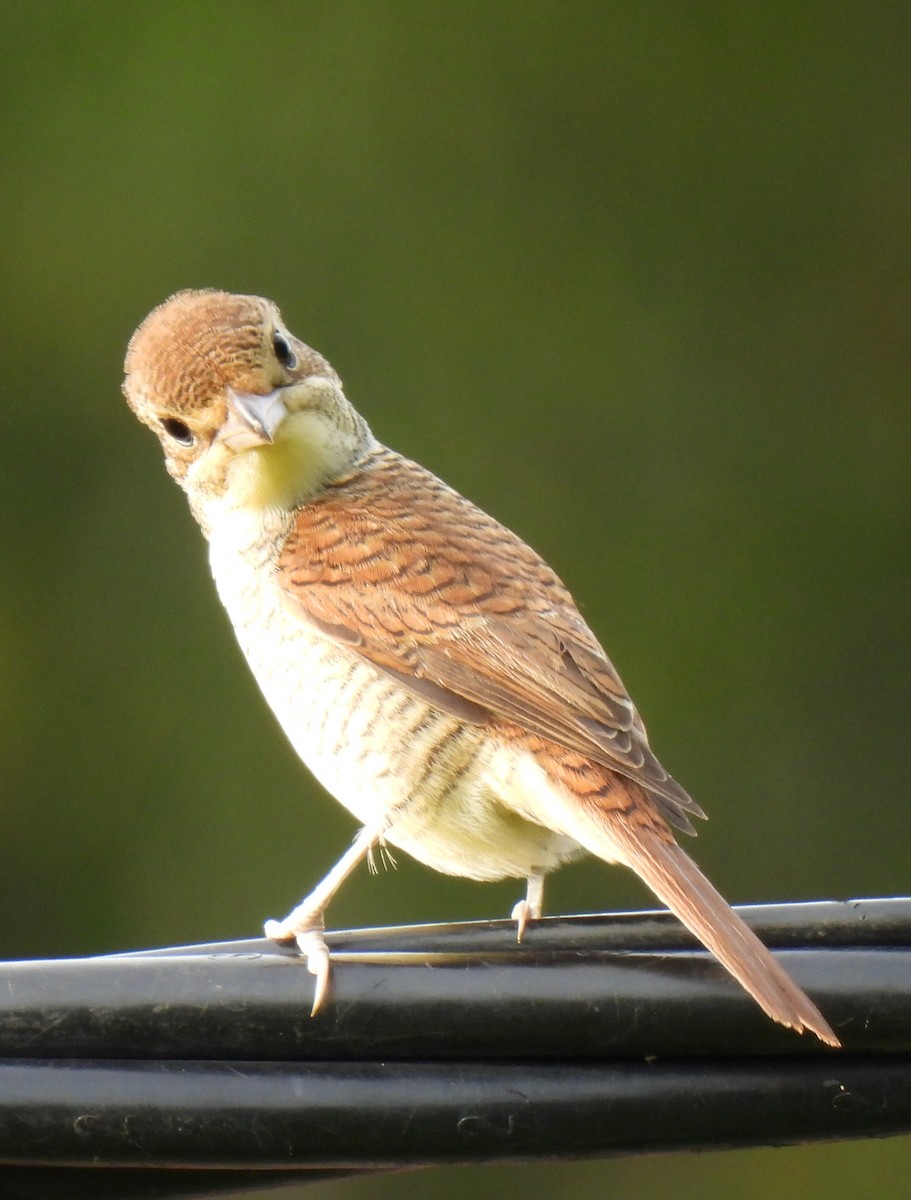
651, 851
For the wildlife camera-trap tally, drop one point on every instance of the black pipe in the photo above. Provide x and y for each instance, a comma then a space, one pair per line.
609, 1035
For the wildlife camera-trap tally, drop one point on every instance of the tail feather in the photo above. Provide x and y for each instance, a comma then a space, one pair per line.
676, 880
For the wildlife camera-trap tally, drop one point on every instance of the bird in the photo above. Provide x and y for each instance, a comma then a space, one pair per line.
427, 665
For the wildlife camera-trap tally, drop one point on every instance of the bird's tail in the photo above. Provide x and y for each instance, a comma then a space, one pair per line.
676, 880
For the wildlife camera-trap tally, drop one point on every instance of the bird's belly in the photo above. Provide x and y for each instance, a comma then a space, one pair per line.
434, 782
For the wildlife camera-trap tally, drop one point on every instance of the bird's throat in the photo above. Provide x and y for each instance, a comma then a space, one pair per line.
308, 452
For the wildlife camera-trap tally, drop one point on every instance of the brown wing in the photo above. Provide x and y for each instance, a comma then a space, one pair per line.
394, 564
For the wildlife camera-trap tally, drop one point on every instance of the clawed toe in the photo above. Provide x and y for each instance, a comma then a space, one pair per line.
278, 931
312, 945
521, 914
532, 907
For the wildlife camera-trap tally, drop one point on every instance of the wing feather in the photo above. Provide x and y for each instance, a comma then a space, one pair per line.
404, 571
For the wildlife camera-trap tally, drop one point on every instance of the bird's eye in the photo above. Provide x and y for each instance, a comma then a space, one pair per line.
283, 351
178, 431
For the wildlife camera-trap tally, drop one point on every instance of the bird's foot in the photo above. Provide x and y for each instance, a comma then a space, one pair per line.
522, 913
532, 907
309, 934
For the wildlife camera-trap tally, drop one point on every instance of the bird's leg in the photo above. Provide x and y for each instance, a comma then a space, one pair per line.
532, 907
305, 924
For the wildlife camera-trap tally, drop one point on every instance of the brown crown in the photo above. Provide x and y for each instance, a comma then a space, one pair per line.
198, 342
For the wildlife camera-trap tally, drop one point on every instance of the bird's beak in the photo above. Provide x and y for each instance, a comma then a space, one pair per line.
252, 420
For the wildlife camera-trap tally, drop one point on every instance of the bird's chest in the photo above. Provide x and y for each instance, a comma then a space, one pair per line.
369, 741
439, 785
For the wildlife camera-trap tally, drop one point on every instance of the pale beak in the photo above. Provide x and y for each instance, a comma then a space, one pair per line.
252, 420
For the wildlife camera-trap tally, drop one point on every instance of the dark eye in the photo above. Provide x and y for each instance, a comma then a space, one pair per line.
283, 351
178, 431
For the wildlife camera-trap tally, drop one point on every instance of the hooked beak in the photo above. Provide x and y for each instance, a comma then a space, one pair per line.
252, 420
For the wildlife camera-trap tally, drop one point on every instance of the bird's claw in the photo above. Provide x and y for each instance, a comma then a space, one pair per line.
311, 943
278, 931
312, 946
522, 913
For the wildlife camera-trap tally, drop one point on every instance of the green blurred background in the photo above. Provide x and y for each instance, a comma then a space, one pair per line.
635, 277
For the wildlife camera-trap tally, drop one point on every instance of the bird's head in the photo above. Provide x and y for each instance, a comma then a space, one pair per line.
247, 415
